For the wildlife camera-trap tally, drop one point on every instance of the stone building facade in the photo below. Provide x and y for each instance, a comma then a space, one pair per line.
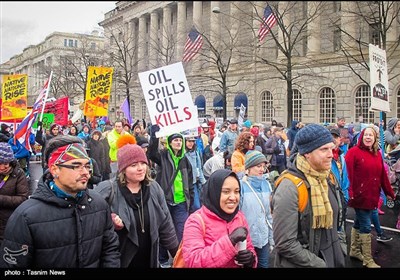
324, 86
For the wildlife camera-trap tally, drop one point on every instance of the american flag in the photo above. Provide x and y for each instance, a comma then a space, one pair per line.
193, 44
23, 131
268, 21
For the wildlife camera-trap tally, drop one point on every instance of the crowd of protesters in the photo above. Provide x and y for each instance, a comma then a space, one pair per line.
212, 191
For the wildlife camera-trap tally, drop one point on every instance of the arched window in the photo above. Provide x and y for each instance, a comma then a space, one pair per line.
362, 104
267, 109
240, 98
200, 102
327, 106
143, 108
296, 106
218, 106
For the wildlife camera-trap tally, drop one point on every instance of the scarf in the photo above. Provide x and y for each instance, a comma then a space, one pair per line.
321, 207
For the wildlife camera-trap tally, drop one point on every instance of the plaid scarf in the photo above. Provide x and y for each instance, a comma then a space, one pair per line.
321, 207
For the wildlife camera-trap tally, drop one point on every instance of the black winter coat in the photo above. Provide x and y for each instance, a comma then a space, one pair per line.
50, 232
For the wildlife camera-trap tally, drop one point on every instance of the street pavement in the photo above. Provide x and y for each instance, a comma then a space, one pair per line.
385, 254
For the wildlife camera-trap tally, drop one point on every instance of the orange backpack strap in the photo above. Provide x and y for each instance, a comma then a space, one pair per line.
178, 261
301, 188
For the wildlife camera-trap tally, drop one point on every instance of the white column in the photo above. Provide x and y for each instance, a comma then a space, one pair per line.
197, 22
181, 31
142, 43
215, 24
154, 45
166, 50
314, 28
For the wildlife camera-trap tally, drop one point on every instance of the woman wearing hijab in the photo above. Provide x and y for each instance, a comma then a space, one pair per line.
214, 234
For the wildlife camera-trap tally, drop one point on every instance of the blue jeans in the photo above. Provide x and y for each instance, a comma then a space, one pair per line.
263, 256
375, 222
179, 215
362, 221
197, 193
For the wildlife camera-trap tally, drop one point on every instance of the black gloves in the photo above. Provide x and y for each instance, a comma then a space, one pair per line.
245, 258
153, 130
239, 234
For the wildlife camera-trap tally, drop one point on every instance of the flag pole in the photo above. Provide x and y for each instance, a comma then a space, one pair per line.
45, 99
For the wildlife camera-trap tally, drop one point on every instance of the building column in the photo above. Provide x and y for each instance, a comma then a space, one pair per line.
154, 44
348, 24
215, 30
142, 43
132, 43
313, 28
235, 24
197, 22
181, 31
258, 12
166, 49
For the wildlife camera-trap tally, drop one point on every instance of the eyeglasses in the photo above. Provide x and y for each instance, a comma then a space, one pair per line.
77, 167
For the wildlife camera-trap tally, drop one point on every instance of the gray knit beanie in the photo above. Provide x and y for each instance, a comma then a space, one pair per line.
312, 137
253, 158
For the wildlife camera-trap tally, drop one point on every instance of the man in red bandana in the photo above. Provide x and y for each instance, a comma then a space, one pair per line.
63, 224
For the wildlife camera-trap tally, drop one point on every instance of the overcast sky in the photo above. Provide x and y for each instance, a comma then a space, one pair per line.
28, 23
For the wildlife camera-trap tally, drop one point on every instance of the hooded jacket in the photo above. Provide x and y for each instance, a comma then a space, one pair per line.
172, 170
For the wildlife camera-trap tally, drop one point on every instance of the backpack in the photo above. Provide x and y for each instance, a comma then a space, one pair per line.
179, 262
301, 187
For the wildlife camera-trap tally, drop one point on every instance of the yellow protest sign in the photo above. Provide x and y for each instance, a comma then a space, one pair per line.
98, 88
14, 96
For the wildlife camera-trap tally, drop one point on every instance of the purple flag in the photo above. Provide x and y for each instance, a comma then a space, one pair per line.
127, 112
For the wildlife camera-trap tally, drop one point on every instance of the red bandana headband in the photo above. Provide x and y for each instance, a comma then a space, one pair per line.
66, 153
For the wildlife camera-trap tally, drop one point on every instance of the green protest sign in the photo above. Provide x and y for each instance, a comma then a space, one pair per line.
47, 120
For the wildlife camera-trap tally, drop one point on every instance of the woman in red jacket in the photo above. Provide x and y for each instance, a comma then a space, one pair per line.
366, 175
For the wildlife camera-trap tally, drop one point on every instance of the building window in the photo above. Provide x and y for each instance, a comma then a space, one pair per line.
65, 42
71, 43
267, 109
362, 104
143, 108
374, 35
327, 105
93, 46
337, 43
76, 43
296, 106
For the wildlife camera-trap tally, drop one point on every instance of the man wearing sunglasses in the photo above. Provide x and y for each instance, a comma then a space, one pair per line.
63, 224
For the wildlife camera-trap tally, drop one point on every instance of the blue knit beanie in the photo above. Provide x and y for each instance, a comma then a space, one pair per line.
253, 158
312, 137
6, 153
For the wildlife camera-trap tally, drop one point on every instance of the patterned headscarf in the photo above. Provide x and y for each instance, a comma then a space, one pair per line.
66, 153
